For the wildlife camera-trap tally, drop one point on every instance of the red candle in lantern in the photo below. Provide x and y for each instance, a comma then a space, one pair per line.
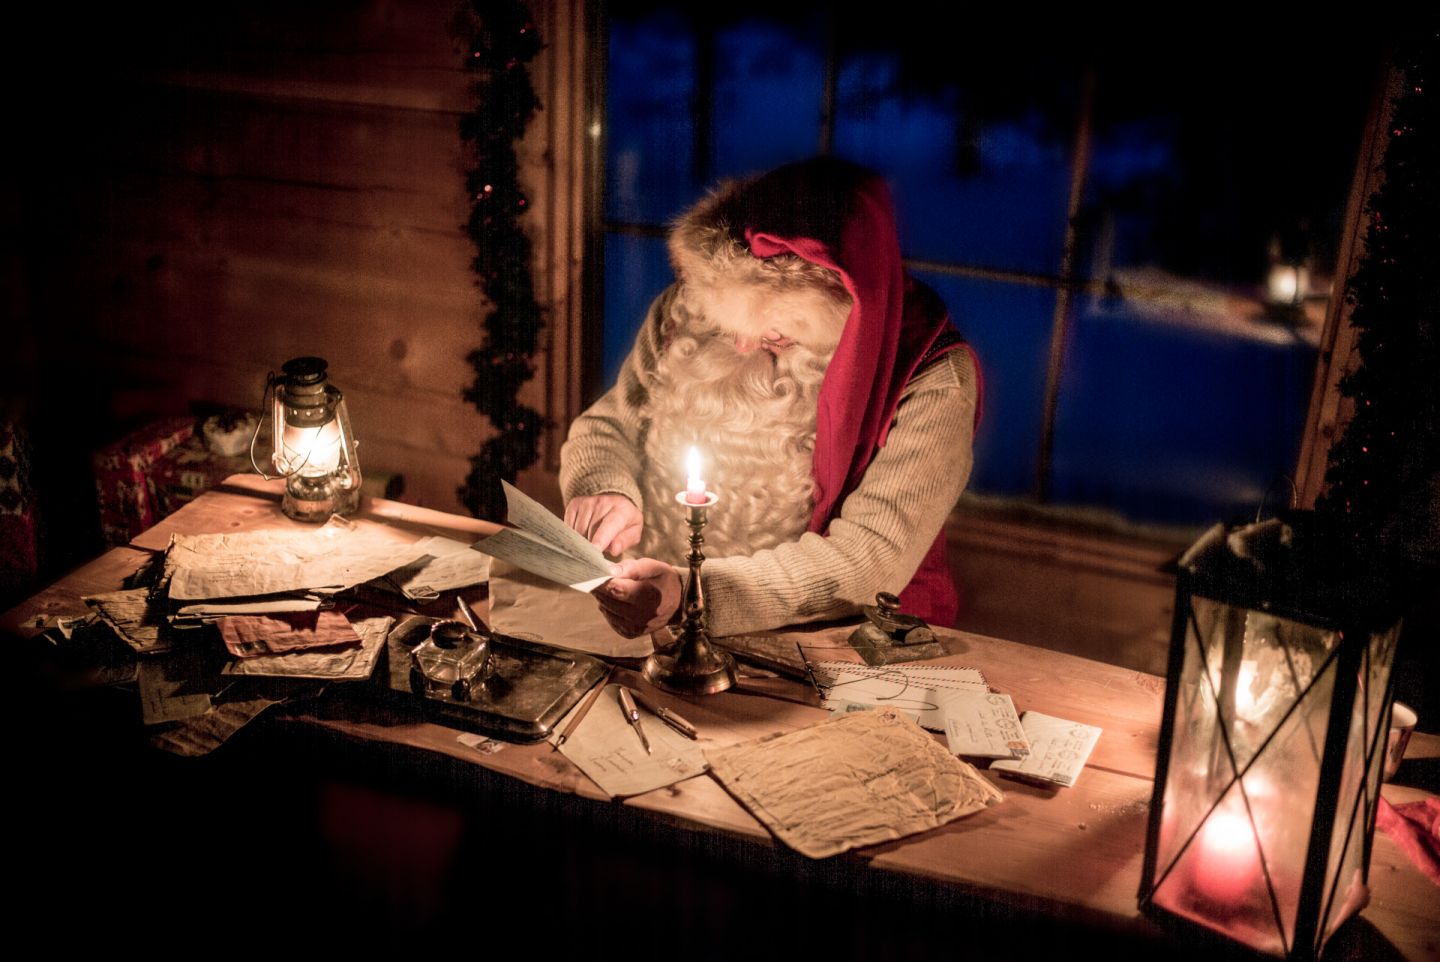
1227, 860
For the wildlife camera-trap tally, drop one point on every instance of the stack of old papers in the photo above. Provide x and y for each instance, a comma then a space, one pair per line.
260, 585
857, 779
270, 595
268, 591
338, 555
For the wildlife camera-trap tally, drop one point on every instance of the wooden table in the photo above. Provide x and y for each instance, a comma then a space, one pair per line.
1067, 857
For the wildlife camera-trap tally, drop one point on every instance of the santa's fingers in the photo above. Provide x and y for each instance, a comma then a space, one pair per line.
617, 531
577, 514
621, 593
641, 569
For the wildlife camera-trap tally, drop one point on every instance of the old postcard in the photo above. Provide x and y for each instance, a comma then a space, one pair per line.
1058, 750
983, 725
917, 690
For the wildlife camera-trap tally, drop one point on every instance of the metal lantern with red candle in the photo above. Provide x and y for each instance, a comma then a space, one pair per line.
315, 449
1273, 737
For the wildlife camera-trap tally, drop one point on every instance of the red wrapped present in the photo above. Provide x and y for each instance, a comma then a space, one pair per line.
122, 477
189, 470
18, 555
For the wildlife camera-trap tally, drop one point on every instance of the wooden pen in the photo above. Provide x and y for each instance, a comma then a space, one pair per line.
585, 708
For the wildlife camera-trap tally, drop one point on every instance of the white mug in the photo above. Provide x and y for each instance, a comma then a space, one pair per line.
1402, 724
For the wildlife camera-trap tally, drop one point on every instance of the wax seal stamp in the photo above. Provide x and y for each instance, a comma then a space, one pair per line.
890, 636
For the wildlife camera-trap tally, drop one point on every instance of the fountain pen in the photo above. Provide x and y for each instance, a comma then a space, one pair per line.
666, 715
627, 705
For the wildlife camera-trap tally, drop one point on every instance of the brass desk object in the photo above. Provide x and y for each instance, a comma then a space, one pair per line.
889, 637
694, 667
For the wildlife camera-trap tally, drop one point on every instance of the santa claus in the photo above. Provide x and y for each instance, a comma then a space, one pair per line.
834, 402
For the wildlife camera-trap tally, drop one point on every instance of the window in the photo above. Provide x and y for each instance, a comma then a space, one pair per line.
1139, 241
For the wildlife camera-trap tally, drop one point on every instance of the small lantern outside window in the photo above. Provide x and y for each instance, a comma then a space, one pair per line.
315, 449
1273, 738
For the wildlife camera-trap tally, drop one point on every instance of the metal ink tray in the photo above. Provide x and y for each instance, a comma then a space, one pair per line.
530, 687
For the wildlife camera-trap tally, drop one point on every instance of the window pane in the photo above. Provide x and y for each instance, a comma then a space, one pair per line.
1168, 418
650, 77
988, 190
769, 80
1008, 325
1218, 170
636, 270
1207, 188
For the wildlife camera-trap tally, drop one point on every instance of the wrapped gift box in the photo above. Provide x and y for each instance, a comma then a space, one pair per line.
190, 469
18, 537
153, 472
122, 477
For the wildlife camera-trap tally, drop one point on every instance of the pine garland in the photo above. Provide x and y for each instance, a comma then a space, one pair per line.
1384, 473
503, 40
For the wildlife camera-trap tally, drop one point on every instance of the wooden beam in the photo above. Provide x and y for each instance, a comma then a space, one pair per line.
1330, 410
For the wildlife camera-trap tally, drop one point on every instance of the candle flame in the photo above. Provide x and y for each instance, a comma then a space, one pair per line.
692, 468
1229, 834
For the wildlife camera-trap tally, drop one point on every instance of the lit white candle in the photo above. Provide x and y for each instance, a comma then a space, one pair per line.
694, 487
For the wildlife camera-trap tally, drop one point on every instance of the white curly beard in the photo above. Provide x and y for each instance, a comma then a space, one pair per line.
752, 416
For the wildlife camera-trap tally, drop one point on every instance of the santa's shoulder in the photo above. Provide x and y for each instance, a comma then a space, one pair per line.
953, 371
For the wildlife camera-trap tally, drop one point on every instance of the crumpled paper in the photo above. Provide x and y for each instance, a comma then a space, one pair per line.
857, 779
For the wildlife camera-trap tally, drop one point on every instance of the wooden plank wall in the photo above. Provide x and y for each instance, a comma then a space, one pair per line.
247, 183
1106, 597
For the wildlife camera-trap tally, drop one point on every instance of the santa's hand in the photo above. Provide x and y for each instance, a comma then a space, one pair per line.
641, 597
610, 522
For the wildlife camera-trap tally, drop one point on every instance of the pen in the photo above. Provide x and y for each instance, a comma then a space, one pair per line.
627, 705
666, 715
584, 709
809, 671
469, 617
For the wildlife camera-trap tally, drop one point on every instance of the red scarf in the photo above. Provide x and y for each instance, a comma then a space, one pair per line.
840, 216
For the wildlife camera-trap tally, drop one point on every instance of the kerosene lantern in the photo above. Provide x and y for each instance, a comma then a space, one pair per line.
315, 449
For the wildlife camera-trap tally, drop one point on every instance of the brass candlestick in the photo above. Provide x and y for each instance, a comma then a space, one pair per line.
695, 668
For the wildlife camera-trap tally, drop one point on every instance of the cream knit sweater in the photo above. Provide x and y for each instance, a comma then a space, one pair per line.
876, 543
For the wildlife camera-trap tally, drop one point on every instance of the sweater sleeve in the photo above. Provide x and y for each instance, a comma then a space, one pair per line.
602, 452
885, 526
